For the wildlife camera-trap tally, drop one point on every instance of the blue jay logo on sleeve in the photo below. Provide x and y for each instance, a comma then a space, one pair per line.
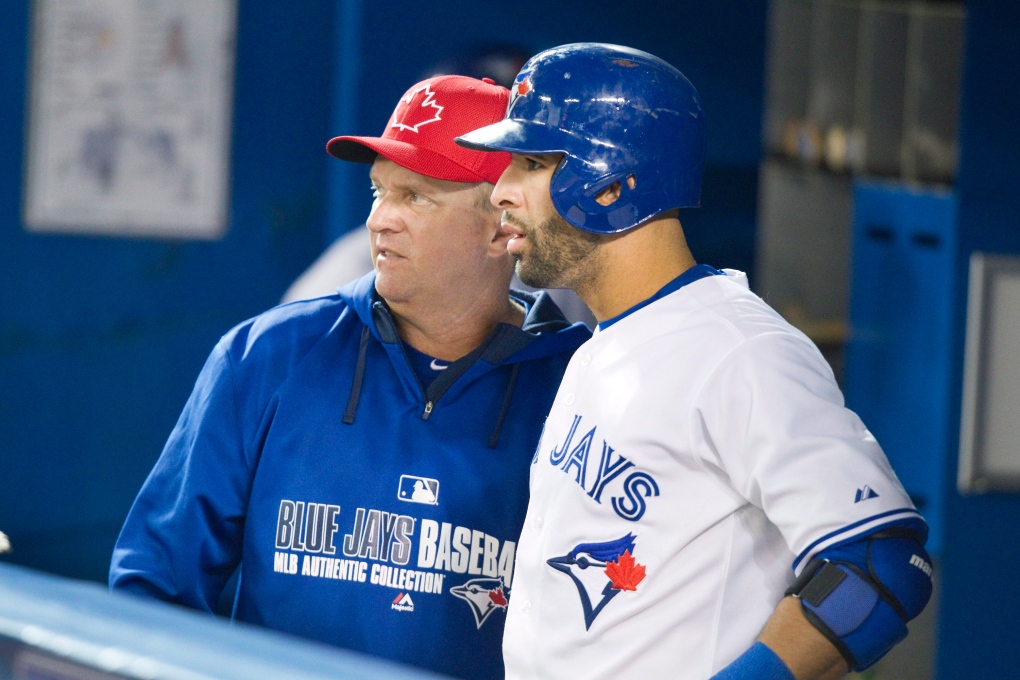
600, 571
483, 595
418, 490
865, 494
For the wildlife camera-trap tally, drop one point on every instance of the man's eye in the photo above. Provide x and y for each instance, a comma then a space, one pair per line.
417, 198
533, 164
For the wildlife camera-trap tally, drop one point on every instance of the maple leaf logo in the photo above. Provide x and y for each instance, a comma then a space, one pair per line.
625, 573
497, 597
418, 108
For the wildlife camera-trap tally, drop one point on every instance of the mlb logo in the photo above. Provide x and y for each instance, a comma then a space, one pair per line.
418, 490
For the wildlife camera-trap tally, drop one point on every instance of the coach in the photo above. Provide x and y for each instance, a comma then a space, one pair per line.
364, 456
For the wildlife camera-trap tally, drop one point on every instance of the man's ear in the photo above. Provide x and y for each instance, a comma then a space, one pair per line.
611, 193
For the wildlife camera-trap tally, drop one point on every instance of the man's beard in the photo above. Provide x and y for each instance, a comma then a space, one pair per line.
560, 255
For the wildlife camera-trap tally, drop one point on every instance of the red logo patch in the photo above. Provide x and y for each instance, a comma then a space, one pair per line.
497, 597
417, 108
625, 573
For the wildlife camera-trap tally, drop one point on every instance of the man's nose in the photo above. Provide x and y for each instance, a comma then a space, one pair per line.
384, 217
506, 193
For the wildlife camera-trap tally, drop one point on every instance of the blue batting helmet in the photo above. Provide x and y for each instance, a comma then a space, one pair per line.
612, 112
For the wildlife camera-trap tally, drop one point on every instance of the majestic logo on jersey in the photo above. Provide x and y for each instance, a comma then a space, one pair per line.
403, 603
418, 108
577, 461
483, 595
418, 490
920, 563
589, 565
865, 493
522, 86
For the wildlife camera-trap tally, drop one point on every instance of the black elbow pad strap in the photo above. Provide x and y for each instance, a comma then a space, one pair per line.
857, 617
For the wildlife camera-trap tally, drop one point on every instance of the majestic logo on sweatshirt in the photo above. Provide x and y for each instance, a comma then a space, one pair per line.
600, 571
418, 490
483, 595
403, 603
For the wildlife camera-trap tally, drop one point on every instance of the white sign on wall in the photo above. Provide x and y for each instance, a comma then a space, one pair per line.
130, 117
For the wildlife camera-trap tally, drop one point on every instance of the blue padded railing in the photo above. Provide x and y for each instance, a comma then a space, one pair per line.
52, 627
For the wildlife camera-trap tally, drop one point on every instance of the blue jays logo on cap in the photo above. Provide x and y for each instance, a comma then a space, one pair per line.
483, 595
600, 571
522, 86
418, 490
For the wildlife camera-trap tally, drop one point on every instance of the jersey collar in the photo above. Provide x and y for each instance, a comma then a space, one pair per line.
698, 271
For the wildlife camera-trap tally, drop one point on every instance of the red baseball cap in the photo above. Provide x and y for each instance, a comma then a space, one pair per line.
420, 133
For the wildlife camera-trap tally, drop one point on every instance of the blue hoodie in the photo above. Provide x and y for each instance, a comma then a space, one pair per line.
366, 510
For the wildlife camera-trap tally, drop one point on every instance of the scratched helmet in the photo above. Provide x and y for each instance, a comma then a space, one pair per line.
613, 112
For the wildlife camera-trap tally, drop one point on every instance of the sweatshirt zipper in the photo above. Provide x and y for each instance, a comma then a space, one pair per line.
428, 410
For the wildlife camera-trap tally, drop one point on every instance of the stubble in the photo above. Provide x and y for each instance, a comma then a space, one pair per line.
559, 255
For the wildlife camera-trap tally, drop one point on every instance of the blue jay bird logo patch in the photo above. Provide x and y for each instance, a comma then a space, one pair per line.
483, 595
600, 571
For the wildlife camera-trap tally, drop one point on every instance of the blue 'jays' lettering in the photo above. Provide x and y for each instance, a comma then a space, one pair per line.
636, 487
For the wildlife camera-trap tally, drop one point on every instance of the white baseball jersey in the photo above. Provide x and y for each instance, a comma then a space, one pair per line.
697, 449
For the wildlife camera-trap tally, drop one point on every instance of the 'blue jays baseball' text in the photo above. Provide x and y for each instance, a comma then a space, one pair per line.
395, 550
604, 470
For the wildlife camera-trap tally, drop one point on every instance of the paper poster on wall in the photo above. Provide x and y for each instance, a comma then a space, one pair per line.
130, 117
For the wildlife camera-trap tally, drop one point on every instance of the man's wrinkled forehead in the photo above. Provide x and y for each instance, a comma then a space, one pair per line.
385, 171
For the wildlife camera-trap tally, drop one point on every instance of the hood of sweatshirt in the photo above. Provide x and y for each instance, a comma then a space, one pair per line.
545, 331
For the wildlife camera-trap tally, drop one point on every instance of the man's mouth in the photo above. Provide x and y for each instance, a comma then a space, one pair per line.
517, 236
386, 254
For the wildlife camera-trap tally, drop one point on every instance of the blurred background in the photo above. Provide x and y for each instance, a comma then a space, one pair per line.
163, 176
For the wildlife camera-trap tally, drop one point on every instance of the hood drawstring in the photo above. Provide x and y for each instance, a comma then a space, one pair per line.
359, 377
494, 439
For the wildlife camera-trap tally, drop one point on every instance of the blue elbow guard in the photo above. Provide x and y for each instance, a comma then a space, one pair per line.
860, 595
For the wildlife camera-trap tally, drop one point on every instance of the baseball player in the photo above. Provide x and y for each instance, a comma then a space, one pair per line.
364, 456
702, 503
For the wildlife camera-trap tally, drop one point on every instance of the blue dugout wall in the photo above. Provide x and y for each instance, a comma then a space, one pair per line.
979, 636
101, 338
